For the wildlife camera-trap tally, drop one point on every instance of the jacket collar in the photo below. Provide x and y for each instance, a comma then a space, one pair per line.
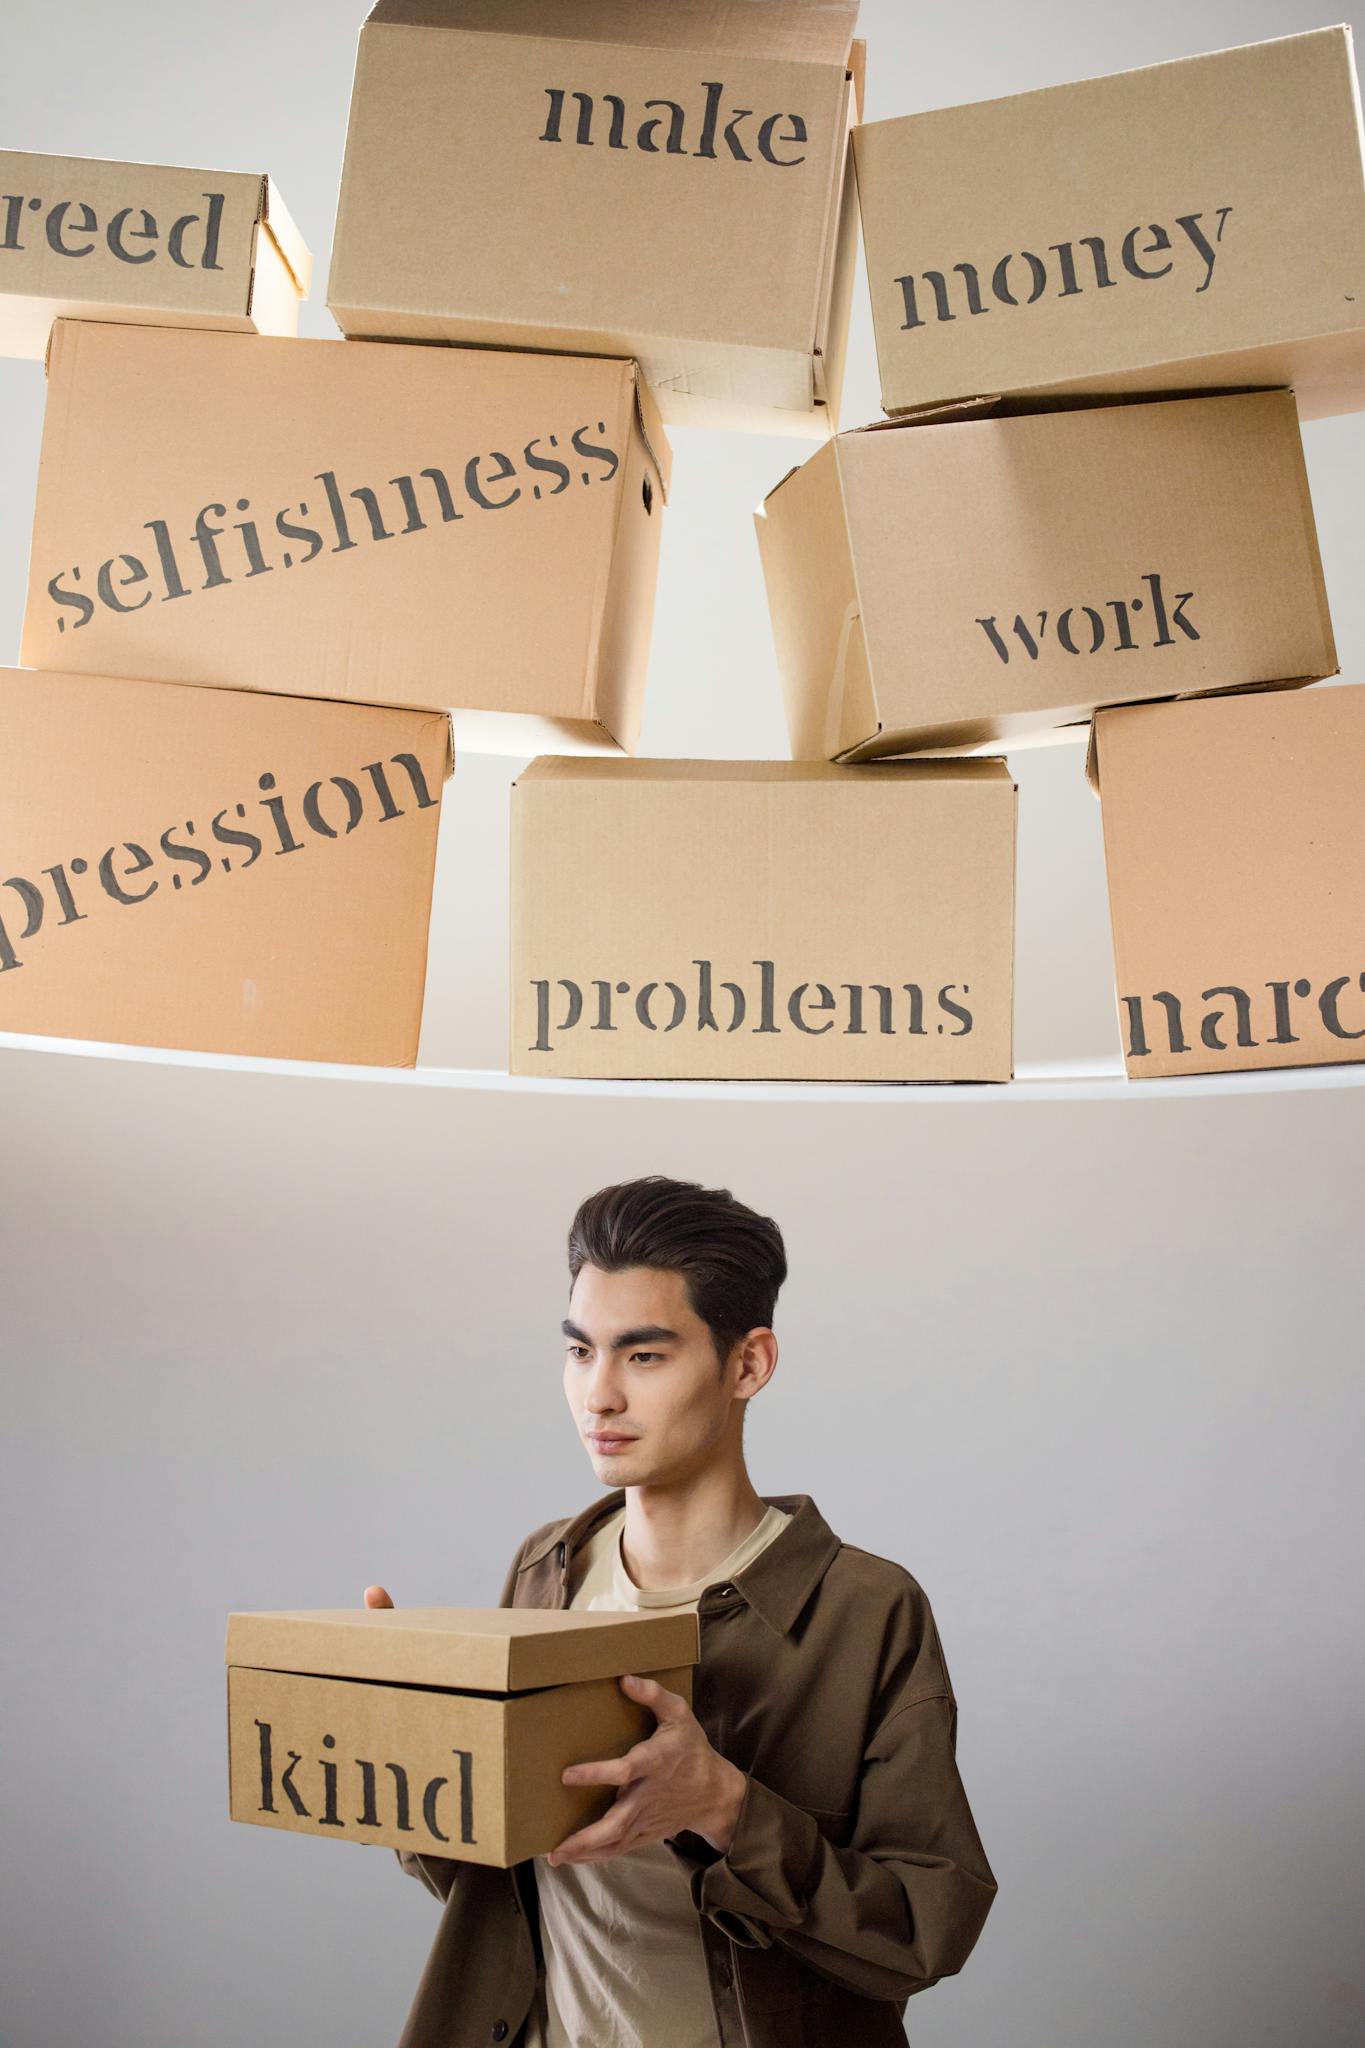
776, 1584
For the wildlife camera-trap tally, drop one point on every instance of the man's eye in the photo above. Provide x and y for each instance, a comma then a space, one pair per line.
648, 1355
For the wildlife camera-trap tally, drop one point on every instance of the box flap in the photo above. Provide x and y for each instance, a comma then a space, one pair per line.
467, 1649
791, 31
652, 431
917, 768
286, 237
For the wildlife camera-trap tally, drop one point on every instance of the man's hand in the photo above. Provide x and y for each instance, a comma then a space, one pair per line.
375, 1596
671, 1780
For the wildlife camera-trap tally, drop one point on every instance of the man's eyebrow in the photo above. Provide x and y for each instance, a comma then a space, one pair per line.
647, 1333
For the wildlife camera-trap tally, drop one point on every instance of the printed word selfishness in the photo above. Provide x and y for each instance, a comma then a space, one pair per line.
489, 482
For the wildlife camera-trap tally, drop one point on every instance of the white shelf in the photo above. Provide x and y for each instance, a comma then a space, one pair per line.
1082, 1081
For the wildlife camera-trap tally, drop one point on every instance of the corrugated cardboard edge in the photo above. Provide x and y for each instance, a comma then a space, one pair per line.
279, 224
650, 422
834, 299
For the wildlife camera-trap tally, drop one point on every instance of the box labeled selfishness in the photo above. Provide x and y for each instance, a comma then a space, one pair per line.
763, 920
88, 239
470, 530
442, 1730
1197, 225
953, 584
1234, 840
668, 180
216, 870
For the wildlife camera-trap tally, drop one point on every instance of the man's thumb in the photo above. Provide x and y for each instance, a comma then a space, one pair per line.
375, 1596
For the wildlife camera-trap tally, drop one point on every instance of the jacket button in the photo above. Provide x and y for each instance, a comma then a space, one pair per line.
724, 1973
499, 2030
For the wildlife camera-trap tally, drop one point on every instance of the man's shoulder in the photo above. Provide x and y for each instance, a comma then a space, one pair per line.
853, 1570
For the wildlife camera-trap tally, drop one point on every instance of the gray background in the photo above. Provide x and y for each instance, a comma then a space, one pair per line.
1091, 1369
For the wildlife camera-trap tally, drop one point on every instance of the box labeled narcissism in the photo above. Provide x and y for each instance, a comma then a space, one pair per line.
87, 239
439, 1730
763, 920
471, 530
217, 870
1234, 840
668, 180
952, 584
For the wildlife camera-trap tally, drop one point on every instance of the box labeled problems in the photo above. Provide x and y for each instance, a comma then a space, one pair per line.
763, 920
439, 1730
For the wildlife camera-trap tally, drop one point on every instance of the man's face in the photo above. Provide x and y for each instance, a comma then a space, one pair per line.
641, 1365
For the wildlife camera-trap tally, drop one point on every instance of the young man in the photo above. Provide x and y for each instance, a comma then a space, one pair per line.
790, 1858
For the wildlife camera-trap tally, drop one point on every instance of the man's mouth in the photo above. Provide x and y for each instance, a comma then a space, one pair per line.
608, 1441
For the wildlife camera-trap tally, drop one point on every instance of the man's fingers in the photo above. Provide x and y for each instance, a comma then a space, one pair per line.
375, 1596
615, 1770
663, 1704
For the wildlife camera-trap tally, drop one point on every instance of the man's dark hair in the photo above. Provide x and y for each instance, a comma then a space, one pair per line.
732, 1260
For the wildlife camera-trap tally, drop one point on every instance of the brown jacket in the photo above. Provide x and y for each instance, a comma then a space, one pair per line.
856, 1876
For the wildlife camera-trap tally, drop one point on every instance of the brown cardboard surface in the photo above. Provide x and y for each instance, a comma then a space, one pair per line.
1255, 152
703, 225
88, 239
460, 529
935, 585
151, 894
1234, 840
776, 899
477, 1649
467, 1776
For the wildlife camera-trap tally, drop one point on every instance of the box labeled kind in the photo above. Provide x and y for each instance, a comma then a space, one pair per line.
439, 1730
462, 529
218, 870
668, 180
954, 584
749, 920
85, 239
1189, 226
1234, 839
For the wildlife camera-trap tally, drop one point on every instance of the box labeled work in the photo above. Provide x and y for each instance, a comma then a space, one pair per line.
458, 529
1234, 839
86, 239
218, 870
1198, 225
948, 585
763, 920
668, 180
442, 1730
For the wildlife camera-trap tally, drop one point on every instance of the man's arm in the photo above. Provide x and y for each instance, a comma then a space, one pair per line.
888, 1917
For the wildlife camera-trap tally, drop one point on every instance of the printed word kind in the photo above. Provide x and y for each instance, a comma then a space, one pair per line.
72, 228
1245, 1019
666, 132
665, 1006
1021, 278
372, 1791
1083, 629
489, 482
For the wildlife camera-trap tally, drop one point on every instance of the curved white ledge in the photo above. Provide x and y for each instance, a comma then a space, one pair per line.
1080, 1081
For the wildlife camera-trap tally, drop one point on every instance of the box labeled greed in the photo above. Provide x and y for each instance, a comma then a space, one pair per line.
441, 1730
668, 180
1234, 839
763, 920
84, 239
1198, 225
469, 530
943, 585
218, 870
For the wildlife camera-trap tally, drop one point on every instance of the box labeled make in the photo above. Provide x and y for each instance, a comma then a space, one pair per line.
86, 239
442, 1730
1234, 839
763, 920
218, 870
471, 530
669, 180
1197, 225
953, 584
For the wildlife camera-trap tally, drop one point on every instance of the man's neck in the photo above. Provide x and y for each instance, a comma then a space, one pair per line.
675, 1535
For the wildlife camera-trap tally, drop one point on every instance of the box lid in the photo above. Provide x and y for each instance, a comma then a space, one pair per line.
468, 1649
791, 31
920, 768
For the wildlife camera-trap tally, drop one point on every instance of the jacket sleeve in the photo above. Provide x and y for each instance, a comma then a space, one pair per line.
438, 1873
891, 1913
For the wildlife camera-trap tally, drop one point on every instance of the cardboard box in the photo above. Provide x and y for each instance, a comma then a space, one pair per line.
668, 180
763, 920
953, 585
85, 239
441, 1730
474, 530
1234, 839
1189, 226
218, 870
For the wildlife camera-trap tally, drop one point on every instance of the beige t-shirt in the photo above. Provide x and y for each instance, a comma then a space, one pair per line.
624, 1965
